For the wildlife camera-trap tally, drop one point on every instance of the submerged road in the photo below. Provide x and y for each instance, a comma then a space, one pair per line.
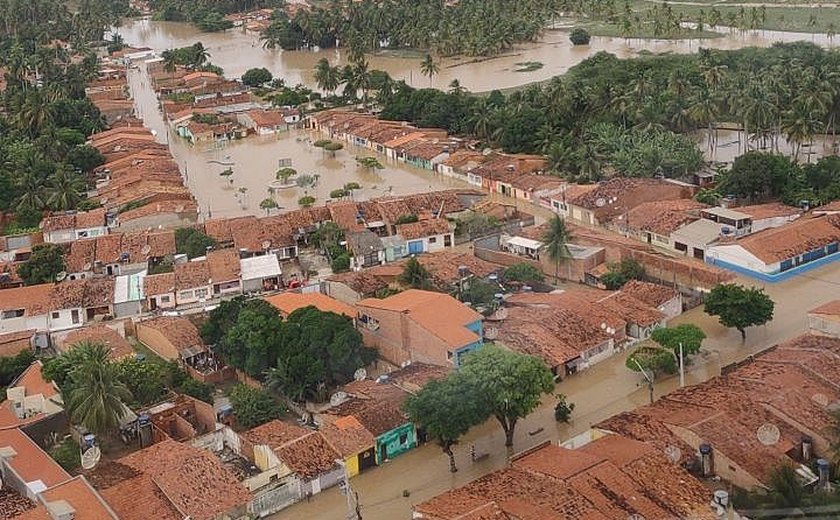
598, 393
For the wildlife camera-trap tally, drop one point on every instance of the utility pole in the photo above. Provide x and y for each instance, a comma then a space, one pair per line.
682, 367
648, 378
353, 508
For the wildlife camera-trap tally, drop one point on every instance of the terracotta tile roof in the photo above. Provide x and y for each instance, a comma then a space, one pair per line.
275, 433
178, 331
189, 477
78, 493
443, 266
579, 301
308, 456
769, 210
34, 384
378, 419
439, 314
219, 230
86, 293
192, 275
108, 248
156, 284
248, 234
157, 208
391, 208
223, 265
363, 282
81, 256
424, 228
266, 118
414, 376
34, 299
289, 302
139, 498
13, 503
59, 222
596, 481
799, 237
346, 435
30, 462
346, 215
119, 347
651, 294
620, 194
663, 217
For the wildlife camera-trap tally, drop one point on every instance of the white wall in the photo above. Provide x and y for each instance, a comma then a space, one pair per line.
60, 236
194, 295
824, 325
39, 322
737, 255
771, 222
672, 307
63, 319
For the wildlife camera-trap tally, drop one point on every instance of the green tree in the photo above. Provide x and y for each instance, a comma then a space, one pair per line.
221, 319
429, 67
786, 487
306, 201
143, 379
508, 384
43, 265
369, 163
341, 263
739, 307
414, 275
192, 242
652, 358
13, 366
758, 176
523, 272
254, 407
257, 77
579, 36
67, 454
621, 272
268, 204
252, 343
96, 396
555, 240
688, 335
446, 409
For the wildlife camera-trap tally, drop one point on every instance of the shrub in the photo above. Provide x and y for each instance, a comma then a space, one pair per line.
579, 36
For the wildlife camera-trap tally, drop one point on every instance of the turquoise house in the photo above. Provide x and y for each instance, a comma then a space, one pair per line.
395, 442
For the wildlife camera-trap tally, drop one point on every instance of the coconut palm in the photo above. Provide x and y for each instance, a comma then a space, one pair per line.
428, 67
96, 396
65, 190
555, 241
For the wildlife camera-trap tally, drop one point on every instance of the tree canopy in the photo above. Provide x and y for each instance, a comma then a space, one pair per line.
414, 275
523, 272
253, 406
257, 77
192, 242
739, 307
45, 262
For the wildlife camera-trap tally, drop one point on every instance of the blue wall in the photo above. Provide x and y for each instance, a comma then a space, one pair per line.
775, 277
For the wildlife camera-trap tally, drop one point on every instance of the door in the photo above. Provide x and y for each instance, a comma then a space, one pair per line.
447, 241
367, 459
316, 486
383, 453
415, 247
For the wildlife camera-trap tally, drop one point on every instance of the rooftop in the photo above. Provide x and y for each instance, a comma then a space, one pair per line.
440, 314
178, 331
118, 346
192, 274
424, 228
346, 435
663, 217
223, 265
30, 462
619, 195
794, 239
34, 384
258, 267
769, 210
289, 302
78, 494
699, 232
652, 294
157, 284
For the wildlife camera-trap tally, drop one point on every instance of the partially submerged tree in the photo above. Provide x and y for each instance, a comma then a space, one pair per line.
446, 409
688, 335
268, 204
508, 384
369, 163
739, 307
284, 174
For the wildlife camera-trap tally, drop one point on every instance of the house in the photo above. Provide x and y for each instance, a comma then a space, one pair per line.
395, 247
744, 220
172, 338
25, 308
224, 269
777, 254
30, 399
734, 222
355, 445
192, 282
288, 302
67, 227
666, 300
654, 222
129, 298
367, 249
260, 273
825, 319
74, 498
267, 122
695, 239
159, 291
427, 236
354, 286
772, 409
170, 476
118, 346
610, 477
74, 303
423, 326
300, 459
619, 195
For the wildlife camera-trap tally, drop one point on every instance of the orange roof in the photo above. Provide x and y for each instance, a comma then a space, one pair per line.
30, 462
78, 493
440, 314
799, 237
34, 299
769, 210
118, 346
289, 302
424, 228
831, 308
346, 435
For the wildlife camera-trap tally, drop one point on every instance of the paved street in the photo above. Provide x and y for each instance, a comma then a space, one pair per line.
598, 393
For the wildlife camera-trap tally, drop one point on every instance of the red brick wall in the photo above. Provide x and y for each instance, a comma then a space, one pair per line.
13, 348
390, 339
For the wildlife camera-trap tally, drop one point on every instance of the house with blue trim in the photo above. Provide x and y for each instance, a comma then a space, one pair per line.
424, 326
780, 253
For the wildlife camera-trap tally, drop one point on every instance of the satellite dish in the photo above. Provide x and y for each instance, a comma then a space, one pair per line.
820, 399
91, 457
86, 267
146, 250
603, 326
360, 374
673, 453
61, 276
768, 434
491, 333
502, 313
338, 398
266, 244
600, 202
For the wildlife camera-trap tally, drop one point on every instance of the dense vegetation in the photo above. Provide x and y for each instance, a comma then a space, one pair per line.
207, 15
470, 27
45, 117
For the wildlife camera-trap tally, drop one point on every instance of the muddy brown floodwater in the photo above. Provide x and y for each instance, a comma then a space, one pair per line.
237, 51
255, 160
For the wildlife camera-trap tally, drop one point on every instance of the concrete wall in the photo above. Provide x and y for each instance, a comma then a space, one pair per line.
390, 339
24, 323
13, 348
67, 319
167, 220
341, 292
824, 325
725, 467
396, 442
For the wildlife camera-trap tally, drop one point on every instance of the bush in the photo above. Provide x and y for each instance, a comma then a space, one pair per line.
579, 36
67, 455
254, 407
192, 242
306, 201
563, 410
406, 219
523, 272
257, 77
340, 263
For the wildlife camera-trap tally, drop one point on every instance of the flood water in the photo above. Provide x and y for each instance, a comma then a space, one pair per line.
730, 144
255, 160
237, 51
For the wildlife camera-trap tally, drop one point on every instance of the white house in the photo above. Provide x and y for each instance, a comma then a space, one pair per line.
694, 239
25, 308
260, 273
68, 227
367, 248
521, 246
192, 282
427, 236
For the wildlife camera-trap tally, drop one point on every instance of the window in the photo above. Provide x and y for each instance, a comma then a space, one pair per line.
185, 294
432, 240
680, 247
164, 299
403, 438
15, 313
74, 316
55, 315
447, 241
201, 293
448, 354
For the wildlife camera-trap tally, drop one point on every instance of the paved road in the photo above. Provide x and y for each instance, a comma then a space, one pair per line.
598, 393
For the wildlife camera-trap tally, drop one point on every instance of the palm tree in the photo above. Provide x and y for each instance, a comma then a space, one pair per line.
95, 398
201, 54
415, 275
482, 119
428, 67
455, 87
556, 240
361, 78
326, 77
65, 190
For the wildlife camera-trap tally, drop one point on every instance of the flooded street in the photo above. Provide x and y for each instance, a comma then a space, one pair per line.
237, 51
255, 160
602, 391
730, 144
